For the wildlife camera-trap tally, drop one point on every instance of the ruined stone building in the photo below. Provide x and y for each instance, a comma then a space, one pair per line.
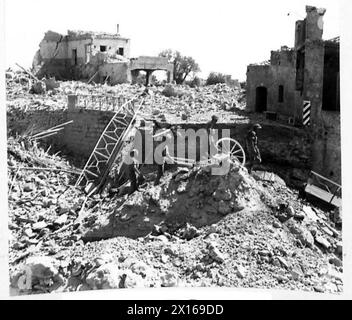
300, 86
97, 55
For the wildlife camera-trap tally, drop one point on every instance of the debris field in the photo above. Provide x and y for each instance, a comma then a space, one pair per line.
192, 230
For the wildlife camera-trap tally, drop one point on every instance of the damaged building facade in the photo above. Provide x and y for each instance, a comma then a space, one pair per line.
99, 57
300, 86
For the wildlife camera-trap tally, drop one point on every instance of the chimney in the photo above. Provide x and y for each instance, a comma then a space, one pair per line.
118, 29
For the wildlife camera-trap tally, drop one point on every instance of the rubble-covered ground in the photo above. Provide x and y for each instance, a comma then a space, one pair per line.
182, 102
193, 229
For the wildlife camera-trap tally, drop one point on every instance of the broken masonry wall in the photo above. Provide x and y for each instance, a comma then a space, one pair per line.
285, 145
24, 123
118, 73
80, 46
284, 57
327, 147
53, 49
314, 22
81, 137
52, 58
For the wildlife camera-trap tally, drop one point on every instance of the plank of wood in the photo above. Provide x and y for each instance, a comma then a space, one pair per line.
92, 77
323, 195
29, 73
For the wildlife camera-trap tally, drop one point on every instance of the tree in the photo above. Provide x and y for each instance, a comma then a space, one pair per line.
215, 77
183, 65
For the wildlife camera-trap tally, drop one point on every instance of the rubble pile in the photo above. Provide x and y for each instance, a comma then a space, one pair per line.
196, 104
42, 202
194, 229
191, 104
195, 197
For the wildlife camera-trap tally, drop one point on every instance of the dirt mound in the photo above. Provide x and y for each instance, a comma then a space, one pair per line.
195, 196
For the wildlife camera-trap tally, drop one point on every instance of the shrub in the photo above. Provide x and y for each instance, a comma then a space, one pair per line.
170, 91
195, 82
215, 77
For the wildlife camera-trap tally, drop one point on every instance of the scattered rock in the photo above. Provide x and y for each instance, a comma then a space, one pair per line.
61, 220
339, 248
328, 231
38, 272
319, 289
301, 233
283, 262
336, 216
169, 279
295, 275
131, 280
215, 253
28, 187
336, 262
290, 211
162, 238
310, 214
323, 242
140, 268
190, 232
299, 216
276, 224
39, 225
29, 233
241, 272
38, 87
107, 276
164, 258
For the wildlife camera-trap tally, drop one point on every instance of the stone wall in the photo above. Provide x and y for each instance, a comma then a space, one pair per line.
81, 137
327, 147
117, 72
20, 122
281, 146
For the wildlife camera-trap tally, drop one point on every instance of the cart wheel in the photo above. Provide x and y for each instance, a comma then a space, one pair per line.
232, 147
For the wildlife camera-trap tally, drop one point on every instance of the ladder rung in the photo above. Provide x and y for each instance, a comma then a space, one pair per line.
103, 155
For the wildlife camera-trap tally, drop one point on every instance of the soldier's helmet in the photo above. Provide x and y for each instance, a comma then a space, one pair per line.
134, 153
214, 118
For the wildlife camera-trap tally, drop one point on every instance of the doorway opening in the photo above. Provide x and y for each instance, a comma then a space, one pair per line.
261, 99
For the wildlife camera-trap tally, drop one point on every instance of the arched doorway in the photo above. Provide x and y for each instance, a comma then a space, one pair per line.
261, 99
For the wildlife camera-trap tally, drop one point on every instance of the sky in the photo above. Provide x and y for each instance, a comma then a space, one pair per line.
222, 36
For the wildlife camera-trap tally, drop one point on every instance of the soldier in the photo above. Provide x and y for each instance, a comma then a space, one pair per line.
161, 166
134, 175
210, 126
253, 152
